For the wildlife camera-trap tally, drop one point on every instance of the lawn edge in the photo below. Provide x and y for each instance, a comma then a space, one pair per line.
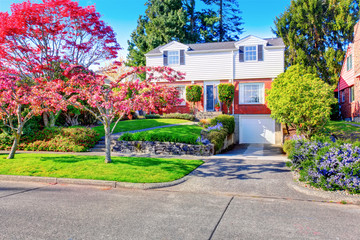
90, 182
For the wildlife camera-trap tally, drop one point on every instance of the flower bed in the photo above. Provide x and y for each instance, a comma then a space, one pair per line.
330, 166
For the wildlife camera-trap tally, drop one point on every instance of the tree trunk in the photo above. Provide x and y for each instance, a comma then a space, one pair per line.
15, 144
53, 118
107, 144
46, 119
221, 27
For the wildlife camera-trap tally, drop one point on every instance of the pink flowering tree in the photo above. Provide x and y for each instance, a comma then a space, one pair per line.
109, 101
36, 37
19, 102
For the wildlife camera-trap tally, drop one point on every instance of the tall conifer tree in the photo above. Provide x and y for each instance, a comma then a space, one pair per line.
316, 34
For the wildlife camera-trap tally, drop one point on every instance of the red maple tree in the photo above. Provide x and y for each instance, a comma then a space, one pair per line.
20, 101
108, 102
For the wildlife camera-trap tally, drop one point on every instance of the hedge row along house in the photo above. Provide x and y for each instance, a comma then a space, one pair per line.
250, 64
348, 90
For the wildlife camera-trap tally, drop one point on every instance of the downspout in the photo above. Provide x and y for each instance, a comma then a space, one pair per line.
232, 80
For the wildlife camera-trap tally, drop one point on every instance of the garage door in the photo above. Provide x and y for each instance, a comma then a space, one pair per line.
257, 129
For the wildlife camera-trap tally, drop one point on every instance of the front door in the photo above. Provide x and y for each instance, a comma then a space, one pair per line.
209, 97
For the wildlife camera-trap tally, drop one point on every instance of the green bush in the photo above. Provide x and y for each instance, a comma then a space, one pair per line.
227, 121
193, 93
226, 94
301, 100
152, 116
217, 137
179, 116
289, 146
160, 137
76, 139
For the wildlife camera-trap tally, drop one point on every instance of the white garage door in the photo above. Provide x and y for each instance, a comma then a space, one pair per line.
257, 129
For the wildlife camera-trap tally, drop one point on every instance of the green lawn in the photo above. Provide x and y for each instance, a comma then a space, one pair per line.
123, 169
343, 130
138, 124
179, 131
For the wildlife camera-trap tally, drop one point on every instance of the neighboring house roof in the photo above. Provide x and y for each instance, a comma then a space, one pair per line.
219, 46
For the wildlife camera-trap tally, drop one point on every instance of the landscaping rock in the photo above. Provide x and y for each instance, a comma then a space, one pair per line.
164, 148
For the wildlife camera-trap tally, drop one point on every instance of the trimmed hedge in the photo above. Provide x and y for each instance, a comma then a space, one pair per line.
217, 137
185, 116
78, 139
152, 116
160, 137
227, 121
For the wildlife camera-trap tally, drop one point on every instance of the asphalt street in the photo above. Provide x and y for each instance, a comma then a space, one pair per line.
234, 197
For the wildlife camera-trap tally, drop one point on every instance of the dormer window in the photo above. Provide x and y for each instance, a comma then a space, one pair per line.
251, 53
173, 57
176, 57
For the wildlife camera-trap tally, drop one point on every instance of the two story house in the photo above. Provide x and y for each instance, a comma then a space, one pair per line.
250, 64
349, 82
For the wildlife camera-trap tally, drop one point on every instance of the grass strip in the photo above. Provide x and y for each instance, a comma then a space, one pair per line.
122, 169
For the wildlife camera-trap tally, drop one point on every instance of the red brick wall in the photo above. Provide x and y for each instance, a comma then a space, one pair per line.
186, 108
251, 108
345, 105
238, 109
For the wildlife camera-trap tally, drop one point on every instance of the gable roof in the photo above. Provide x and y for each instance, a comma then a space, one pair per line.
218, 46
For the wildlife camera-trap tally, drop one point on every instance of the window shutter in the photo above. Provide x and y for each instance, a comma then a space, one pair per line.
241, 53
165, 56
182, 57
260, 53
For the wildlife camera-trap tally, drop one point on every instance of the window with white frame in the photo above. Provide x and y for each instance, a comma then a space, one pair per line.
351, 95
349, 63
182, 94
251, 93
250, 53
173, 57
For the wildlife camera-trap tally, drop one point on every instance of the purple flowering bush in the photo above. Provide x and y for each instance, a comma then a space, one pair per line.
331, 166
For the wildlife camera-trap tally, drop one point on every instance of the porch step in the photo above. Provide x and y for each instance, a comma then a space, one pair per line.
207, 115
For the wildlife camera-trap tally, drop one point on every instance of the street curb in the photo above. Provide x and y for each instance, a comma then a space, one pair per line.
330, 196
89, 182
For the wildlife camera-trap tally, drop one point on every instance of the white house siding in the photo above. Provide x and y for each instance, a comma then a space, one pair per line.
201, 66
154, 61
271, 67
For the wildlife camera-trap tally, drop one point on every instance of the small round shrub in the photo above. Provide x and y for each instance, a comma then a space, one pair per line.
227, 121
217, 137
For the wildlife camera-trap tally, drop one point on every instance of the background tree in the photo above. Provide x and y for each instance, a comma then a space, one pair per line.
180, 20
301, 99
19, 102
193, 94
316, 33
36, 37
226, 94
229, 23
164, 21
108, 102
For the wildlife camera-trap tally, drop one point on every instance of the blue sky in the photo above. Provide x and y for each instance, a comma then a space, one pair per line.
122, 15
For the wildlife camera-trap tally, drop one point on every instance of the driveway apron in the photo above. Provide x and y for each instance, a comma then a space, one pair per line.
249, 170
